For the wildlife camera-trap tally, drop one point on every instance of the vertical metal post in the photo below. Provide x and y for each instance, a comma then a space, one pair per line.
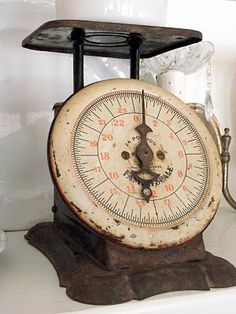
134, 42
77, 36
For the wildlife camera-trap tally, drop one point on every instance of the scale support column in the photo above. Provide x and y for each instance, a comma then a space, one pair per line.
77, 36
135, 43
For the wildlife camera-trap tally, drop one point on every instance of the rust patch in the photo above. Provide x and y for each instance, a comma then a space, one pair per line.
142, 248
152, 244
211, 201
58, 174
114, 237
120, 237
117, 221
175, 228
78, 209
95, 224
107, 233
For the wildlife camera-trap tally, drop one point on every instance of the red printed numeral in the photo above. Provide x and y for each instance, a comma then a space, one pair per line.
93, 143
122, 110
107, 137
169, 187
105, 156
167, 201
113, 175
140, 203
119, 122
113, 191
131, 189
136, 118
180, 173
154, 193
171, 136
102, 122
154, 123
98, 169
180, 154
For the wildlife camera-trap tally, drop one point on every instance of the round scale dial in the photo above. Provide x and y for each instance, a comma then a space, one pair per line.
135, 164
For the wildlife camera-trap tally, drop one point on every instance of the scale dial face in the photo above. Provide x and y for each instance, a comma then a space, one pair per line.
135, 164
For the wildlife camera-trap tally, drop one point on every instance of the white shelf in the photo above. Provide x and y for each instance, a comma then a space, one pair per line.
29, 283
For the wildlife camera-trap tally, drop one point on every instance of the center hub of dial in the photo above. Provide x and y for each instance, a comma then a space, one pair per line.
115, 139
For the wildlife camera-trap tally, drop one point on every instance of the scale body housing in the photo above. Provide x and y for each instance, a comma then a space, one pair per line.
85, 261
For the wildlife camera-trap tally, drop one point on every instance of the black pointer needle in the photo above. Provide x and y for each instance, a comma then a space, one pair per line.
143, 110
145, 156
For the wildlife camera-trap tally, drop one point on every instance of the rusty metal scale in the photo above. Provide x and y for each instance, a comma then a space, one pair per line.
137, 174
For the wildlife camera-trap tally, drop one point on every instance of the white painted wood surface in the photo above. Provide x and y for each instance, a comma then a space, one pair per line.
29, 284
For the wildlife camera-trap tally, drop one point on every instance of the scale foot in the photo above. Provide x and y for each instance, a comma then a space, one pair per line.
87, 282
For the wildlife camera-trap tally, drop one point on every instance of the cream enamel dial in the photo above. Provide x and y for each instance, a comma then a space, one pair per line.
152, 186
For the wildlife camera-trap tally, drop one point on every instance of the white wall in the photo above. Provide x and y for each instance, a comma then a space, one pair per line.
31, 82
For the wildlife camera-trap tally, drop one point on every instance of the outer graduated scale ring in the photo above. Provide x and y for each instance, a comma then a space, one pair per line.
96, 127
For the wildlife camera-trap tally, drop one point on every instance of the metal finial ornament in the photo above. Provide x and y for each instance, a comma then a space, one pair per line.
225, 159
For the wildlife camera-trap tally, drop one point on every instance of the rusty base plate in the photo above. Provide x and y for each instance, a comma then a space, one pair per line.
87, 282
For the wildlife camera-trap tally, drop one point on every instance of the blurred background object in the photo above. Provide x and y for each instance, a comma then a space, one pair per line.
150, 12
3, 241
169, 70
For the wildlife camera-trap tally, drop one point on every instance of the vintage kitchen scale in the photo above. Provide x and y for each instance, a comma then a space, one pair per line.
137, 174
